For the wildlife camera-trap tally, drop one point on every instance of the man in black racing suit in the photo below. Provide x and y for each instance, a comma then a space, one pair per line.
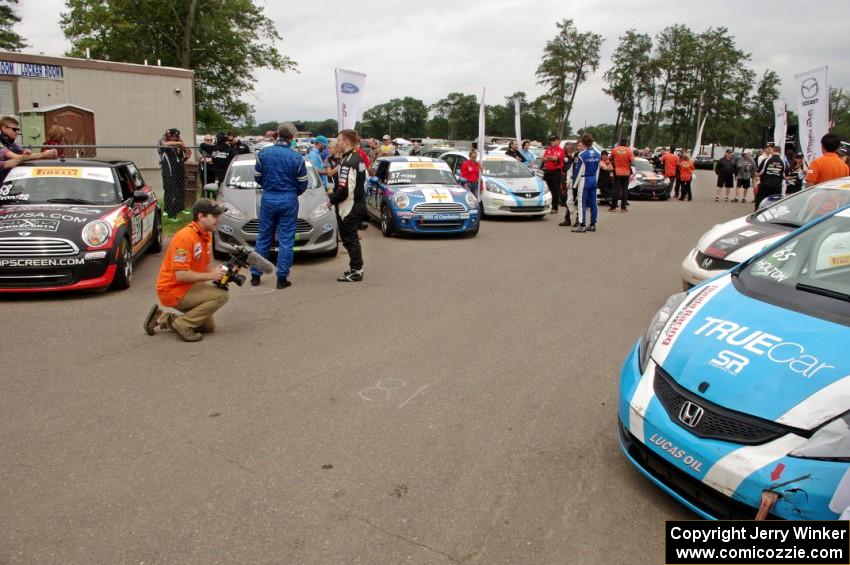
349, 197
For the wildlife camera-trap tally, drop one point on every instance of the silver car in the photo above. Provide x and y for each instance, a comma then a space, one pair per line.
316, 233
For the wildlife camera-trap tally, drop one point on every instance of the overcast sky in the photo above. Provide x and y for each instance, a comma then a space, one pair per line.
428, 49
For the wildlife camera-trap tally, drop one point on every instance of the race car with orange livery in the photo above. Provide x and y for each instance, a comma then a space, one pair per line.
75, 224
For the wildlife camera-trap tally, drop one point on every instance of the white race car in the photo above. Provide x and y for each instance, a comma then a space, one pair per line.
726, 245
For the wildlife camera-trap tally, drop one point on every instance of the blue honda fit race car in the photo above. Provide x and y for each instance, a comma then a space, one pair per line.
738, 396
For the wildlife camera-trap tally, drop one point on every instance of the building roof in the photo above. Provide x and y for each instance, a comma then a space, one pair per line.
74, 62
42, 109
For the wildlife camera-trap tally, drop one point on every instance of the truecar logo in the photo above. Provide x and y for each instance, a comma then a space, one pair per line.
349, 88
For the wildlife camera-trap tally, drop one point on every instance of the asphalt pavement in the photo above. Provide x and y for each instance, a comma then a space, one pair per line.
458, 406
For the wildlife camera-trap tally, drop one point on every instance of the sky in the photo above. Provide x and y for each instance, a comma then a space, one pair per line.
428, 49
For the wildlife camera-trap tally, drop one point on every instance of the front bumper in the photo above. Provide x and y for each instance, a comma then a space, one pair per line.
311, 236
693, 273
647, 190
719, 479
495, 204
411, 222
55, 274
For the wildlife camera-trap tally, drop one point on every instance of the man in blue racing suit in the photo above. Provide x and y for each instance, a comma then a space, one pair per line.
282, 174
585, 173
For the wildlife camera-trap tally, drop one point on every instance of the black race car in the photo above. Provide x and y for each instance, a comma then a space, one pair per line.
645, 182
75, 224
703, 161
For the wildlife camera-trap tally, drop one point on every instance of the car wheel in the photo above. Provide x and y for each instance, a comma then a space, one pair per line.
219, 255
386, 222
481, 209
156, 237
124, 266
539, 216
665, 196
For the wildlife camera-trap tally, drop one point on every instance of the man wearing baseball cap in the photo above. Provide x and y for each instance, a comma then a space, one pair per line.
184, 276
315, 158
387, 148
173, 153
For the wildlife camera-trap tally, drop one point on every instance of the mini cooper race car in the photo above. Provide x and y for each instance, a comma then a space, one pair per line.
420, 195
725, 245
737, 398
75, 224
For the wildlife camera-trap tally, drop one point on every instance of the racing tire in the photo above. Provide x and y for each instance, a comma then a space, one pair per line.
124, 266
539, 216
156, 238
219, 255
387, 228
474, 232
481, 213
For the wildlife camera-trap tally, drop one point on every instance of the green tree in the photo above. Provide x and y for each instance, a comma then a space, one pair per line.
630, 77
400, 117
223, 41
603, 134
455, 117
10, 40
568, 58
760, 107
839, 104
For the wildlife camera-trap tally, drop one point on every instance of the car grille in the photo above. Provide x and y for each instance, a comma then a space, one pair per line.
710, 263
439, 208
527, 194
717, 422
523, 209
253, 227
36, 247
696, 492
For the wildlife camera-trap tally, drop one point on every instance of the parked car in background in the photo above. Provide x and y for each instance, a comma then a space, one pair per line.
703, 161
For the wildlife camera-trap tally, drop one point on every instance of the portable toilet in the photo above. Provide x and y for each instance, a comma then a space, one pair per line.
77, 121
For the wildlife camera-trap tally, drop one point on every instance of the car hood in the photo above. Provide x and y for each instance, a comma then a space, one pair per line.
434, 193
649, 176
248, 200
740, 239
757, 358
48, 220
518, 185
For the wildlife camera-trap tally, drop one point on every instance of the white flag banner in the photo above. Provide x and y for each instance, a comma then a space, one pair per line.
349, 97
482, 147
517, 124
698, 144
635, 116
780, 124
812, 110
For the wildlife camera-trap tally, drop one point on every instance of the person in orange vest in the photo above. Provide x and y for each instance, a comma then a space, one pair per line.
686, 174
671, 165
830, 165
622, 157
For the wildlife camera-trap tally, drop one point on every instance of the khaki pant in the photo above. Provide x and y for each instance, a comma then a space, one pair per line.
198, 307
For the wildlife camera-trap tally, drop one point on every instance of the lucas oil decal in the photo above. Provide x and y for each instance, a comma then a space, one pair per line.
676, 452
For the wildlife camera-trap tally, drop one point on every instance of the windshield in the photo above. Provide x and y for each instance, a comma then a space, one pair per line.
805, 206
811, 268
643, 166
84, 185
506, 169
242, 176
420, 173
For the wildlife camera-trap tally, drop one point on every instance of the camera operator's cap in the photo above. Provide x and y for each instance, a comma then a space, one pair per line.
207, 206
322, 139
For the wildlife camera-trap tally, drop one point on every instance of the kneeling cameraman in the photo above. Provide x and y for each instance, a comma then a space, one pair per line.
183, 276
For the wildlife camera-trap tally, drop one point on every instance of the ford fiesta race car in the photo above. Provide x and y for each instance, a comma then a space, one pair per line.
75, 224
240, 195
726, 245
737, 398
419, 195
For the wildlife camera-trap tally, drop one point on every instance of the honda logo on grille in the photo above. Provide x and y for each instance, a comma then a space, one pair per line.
706, 263
691, 414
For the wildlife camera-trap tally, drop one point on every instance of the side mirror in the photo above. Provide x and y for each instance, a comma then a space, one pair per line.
211, 187
140, 196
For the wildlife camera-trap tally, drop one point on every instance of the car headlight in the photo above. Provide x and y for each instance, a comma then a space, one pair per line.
96, 233
319, 211
401, 200
494, 188
832, 441
665, 180
232, 211
647, 343
470, 200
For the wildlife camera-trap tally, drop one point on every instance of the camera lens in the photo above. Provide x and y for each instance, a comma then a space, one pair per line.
238, 279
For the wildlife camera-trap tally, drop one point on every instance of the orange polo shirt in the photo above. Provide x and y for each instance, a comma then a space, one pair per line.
686, 170
189, 250
828, 166
670, 163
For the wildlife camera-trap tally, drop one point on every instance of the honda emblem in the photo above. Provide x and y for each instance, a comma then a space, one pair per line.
691, 414
706, 263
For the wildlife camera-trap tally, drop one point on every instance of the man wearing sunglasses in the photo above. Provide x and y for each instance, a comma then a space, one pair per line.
12, 154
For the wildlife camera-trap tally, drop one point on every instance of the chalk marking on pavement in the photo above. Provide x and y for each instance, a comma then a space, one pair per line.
415, 394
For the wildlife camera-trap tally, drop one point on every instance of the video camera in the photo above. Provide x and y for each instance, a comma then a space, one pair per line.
241, 258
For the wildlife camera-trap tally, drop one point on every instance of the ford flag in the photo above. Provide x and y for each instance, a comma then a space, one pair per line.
812, 110
349, 97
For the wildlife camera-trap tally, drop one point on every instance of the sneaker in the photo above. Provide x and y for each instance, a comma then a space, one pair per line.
351, 276
624, 210
591, 227
283, 283
565, 224
152, 320
579, 229
734, 200
576, 224
614, 209
717, 199
554, 211
255, 280
189, 335
726, 199
363, 226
